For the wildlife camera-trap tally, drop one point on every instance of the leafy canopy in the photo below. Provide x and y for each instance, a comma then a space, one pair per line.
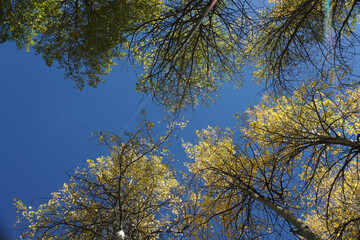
130, 192
291, 167
187, 50
82, 37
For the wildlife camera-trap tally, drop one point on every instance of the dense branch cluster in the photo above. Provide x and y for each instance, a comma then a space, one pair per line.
186, 49
289, 170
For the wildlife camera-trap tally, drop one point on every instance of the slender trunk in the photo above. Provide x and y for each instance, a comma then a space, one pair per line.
302, 229
196, 26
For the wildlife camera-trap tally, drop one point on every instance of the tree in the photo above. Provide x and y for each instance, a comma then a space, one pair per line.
337, 215
194, 49
82, 37
291, 165
187, 49
289, 170
294, 37
127, 195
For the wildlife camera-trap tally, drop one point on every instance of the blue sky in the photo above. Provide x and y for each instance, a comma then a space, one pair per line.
46, 124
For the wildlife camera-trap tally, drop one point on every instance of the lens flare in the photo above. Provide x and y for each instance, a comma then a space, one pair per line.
327, 23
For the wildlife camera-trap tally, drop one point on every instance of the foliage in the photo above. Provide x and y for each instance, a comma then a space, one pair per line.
193, 49
290, 168
292, 160
130, 192
186, 49
82, 37
294, 37
337, 214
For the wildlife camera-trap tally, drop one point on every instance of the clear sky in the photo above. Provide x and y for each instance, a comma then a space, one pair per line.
46, 124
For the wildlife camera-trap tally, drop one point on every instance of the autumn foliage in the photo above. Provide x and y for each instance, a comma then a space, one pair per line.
289, 169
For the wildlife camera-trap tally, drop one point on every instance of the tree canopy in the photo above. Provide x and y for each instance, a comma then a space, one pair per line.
132, 191
82, 37
186, 50
299, 37
288, 170
290, 167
